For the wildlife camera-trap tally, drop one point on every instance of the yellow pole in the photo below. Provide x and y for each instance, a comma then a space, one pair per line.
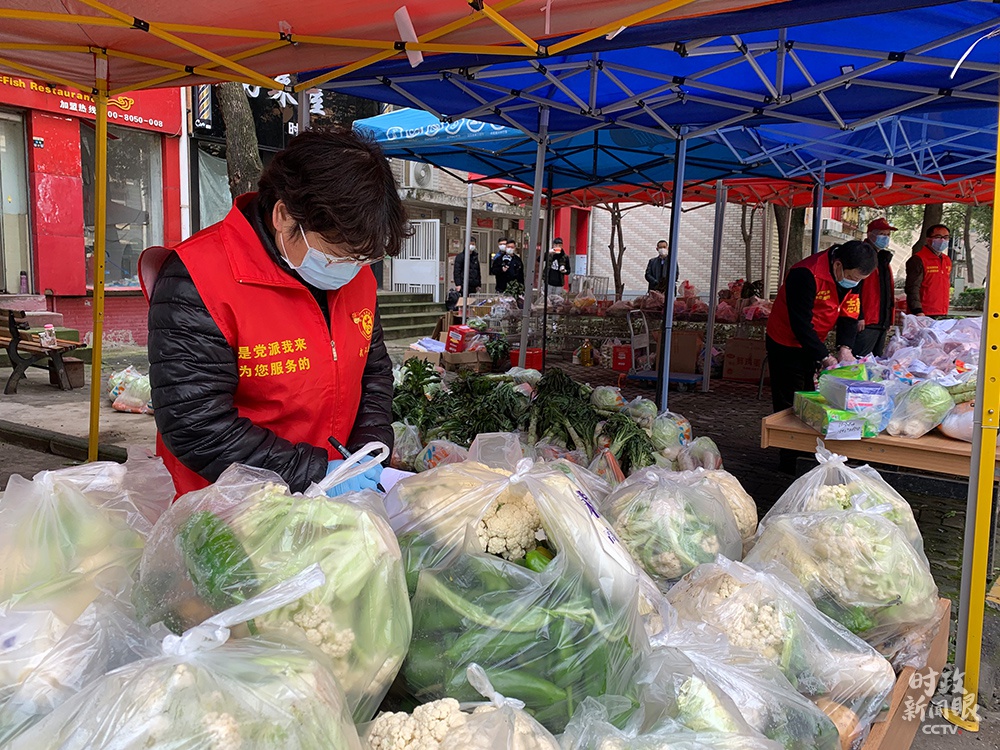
969, 648
100, 230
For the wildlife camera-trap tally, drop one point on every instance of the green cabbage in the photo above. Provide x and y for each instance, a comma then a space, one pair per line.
607, 398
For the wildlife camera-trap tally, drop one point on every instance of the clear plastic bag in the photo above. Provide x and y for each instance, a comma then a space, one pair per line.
773, 617
833, 485
118, 380
607, 399
860, 570
961, 423
405, 447
643, 411
218, 546
547, 637
135, 397
439, 453
203, 691
670, 526
919, 410
700, 453
727, 489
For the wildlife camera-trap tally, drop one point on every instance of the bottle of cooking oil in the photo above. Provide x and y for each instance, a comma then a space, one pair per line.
587, 354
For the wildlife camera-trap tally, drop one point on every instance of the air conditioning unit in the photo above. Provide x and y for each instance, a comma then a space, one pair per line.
417, 175
450, 217
832, 225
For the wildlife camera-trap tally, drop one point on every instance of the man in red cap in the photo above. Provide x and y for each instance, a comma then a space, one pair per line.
878, 295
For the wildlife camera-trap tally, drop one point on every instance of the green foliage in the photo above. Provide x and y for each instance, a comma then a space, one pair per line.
971, 298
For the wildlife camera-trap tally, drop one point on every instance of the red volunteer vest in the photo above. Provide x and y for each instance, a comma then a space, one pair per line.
297, 377
935, 290
827, 307
871, 299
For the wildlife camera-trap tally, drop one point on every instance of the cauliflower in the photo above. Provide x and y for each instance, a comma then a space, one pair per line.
316, 622
422, 730
511, 525
830, 497
475, 734
223, 731
726, 487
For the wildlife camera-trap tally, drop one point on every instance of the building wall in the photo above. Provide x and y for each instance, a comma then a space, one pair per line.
642, 227
125, 317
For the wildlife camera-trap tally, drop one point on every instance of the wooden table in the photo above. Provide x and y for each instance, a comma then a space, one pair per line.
933, 452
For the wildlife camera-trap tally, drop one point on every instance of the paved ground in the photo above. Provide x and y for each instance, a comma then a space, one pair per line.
730, 414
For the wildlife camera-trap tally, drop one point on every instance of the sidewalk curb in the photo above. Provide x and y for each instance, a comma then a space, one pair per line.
47, 441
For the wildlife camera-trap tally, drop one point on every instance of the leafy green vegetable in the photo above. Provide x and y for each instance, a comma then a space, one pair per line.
218, 564
630, 445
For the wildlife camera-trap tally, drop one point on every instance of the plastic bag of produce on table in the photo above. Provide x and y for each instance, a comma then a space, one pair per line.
445, 724
700, 453
833, 485
860, 570
727, 489
920, 409
670, 526
767, 612
548, 632
405, 447
439, 453
219, 546
205, 691
592, 729
961, 424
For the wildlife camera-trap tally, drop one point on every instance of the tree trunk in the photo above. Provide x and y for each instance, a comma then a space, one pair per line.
796, 233
242, 149
616, 256
933, 213
970, 269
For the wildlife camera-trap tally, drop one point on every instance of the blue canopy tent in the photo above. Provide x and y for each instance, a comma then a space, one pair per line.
787, 73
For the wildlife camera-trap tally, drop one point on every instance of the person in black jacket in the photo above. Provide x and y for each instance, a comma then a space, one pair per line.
506, 266
658, 268
557, 268
326, 209
475, 272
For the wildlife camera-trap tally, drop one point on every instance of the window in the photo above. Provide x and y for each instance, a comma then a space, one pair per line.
15, 249
135, 200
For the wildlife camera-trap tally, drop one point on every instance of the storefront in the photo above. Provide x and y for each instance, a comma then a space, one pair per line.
47, 142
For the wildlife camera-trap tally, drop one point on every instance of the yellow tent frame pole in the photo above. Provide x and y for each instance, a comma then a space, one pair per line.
100, 231
609, 28
969, 648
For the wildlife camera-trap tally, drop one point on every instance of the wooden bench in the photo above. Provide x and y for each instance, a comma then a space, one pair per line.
28, 352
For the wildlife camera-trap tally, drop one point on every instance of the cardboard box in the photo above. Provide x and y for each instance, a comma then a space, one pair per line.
685, 348
433, 357
459, 338
621, 358
478, 361
743, 360
444, 323
833, 423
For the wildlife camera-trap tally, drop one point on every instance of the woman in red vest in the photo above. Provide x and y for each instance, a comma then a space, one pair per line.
820, 293
928, 275
264, 331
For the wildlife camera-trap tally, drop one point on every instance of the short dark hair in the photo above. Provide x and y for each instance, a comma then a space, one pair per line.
932, 227
338, 183
557, 241
662, 242
503, 240
856, 255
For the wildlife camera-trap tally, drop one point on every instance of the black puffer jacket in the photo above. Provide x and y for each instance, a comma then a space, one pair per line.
194, 374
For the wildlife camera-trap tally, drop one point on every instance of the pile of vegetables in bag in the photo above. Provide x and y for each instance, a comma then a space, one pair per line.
516, 572
217, 547
555, 416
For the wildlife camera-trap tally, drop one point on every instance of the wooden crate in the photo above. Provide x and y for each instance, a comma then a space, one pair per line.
892, 731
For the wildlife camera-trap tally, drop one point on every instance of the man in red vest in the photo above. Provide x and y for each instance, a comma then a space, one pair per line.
878, 294
264, 332
928, 275
820, 294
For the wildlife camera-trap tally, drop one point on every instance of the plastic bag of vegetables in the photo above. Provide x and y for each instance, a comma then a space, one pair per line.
219, 546
961, 422
405, 447
728, 489
204, 691
700, 453
548, 632
607, 399
642, 411
762, 612
860, 570
707, 686
670, 526
833, 485
499, 724
592, 729
920, 409
439, 453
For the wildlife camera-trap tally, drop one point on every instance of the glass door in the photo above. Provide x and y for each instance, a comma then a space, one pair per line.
15, 247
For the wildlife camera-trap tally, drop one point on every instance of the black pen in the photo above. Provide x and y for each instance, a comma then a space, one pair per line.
339, 447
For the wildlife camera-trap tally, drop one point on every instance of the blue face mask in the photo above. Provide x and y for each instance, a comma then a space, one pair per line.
848, 283
317, 269
882, 241
939, 245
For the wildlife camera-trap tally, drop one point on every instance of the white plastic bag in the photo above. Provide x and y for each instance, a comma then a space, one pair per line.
204, 691
700, 453
438, 453
728, 489
405, 447
961, 423
135, 397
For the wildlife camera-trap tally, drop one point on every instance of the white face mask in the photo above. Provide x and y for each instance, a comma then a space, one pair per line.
663, 251
318, 269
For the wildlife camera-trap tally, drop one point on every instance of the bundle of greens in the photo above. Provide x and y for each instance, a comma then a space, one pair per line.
474, 405
670, 526
761, 612
860, 570
411, 398
561, 411
630, 445
218, 547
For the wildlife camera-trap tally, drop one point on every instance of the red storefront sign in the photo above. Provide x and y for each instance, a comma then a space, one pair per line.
156, 109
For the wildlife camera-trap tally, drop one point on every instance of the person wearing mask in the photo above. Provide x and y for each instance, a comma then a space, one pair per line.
878, 298
928, 275
557, 268
264, 331
658, 268
820, 294
506, 266
475, 273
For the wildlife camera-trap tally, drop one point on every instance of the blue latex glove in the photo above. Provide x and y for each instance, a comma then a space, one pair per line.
366, 481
